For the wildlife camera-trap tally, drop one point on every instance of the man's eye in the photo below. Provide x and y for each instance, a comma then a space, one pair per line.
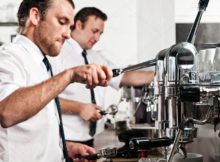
62, 22
95, 31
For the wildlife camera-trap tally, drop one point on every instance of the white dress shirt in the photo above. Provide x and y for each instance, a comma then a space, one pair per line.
36, 139
77, 129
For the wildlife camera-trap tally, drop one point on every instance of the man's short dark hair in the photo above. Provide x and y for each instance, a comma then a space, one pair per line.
83, 15
41, 5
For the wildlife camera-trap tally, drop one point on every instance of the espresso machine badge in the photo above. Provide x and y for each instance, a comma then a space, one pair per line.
192, 77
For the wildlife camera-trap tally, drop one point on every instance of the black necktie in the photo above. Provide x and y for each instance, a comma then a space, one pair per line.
92, 125
65, 152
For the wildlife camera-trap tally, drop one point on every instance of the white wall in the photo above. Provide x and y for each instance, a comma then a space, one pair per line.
156, 27
8, 11
186, 11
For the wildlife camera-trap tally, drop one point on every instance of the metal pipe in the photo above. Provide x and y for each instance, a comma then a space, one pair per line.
202, 7
145, 64
191, 38
175, 145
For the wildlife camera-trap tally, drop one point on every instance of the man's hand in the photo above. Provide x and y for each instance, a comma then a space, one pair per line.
76, 149
89, 112
92, 75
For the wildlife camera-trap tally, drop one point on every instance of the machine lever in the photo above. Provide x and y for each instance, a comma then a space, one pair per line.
145, 64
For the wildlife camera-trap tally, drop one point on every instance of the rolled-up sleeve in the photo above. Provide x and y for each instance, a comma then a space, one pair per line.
11, 75
115, 82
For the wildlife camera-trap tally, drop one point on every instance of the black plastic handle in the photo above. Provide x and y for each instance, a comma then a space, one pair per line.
144, 143
89, 157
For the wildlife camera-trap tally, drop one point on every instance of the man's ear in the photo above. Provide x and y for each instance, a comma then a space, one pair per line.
34, 16
78, 24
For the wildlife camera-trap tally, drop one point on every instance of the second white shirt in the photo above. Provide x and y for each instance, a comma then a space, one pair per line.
77, 129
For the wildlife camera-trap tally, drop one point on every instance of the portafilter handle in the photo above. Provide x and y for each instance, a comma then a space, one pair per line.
103, 153
144, 143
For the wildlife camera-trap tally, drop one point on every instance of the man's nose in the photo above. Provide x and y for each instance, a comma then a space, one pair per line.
66, 33
97, 37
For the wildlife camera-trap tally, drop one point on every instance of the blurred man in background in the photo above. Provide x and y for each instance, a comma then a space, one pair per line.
84, 106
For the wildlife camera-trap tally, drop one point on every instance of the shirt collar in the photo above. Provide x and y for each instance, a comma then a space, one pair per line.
31, 47
76, 46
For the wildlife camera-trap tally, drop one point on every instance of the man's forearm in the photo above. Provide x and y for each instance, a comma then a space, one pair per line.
70, 107
87, 111
26, 102
137, 78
